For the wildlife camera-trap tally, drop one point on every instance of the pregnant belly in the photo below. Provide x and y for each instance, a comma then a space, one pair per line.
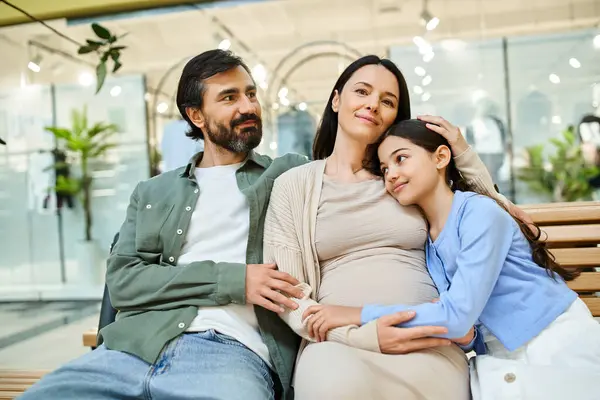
381, 279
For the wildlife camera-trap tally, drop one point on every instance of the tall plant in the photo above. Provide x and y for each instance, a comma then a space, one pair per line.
564, 175
83, 143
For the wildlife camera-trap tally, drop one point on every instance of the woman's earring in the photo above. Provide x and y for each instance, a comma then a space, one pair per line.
451, 183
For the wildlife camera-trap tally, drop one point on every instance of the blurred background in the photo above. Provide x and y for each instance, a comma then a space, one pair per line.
521, 79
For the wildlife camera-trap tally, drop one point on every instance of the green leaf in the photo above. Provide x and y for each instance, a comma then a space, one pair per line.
104, 57
94, 43
100, 76
117, 66
100, 150
86, 49
60, 133
101, 31
117, 48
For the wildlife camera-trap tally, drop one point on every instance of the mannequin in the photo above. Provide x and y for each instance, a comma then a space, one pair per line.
487, 135
589, 135
296, 131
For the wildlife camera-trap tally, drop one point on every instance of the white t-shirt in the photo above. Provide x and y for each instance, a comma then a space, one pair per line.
219, 232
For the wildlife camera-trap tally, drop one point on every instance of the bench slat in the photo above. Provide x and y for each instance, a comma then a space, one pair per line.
12, 381
565, 213
573, 234
586, 282
582, 257
13, 387
593, 304
7, 373
9, 395
90, 338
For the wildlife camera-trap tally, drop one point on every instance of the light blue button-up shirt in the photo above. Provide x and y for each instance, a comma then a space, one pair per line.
482, 266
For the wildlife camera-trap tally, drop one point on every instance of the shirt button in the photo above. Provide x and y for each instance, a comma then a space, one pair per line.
188, 208
181, 325
196, 191
510, 377
179, 231
148, 206
171, 259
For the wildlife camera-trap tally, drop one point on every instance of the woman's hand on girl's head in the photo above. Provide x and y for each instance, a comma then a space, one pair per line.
321, 319
458, 143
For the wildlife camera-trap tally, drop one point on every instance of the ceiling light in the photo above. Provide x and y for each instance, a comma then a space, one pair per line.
273, 145
418, 90
259, 73
147, 96
427, 80
35, 64
556, 119
115, 91
428, 20
86, 79
428, 56
162, 107
554, 78
420, 71
433, 23
225, 44
597, 41
275, 106
283, 92
302, 106
426, 96
574, 63
420, 42
284, 101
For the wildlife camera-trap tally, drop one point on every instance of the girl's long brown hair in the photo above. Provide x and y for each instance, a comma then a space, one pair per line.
417, 132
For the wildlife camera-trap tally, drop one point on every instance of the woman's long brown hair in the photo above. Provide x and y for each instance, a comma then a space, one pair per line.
417, 132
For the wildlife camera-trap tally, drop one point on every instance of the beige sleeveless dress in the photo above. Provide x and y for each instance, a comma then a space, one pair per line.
371, 251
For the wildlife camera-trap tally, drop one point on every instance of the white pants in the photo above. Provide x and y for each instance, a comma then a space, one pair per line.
562, 362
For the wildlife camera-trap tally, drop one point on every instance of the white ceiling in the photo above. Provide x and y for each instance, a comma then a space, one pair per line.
267, 31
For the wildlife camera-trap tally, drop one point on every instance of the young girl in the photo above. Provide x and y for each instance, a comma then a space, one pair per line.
491, 271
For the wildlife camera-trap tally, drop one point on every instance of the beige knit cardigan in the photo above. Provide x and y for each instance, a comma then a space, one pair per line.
289, 239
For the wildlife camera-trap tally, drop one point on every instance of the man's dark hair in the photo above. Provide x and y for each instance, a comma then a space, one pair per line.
190, 89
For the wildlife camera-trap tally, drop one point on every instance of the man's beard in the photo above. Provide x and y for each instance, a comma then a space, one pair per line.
226, 137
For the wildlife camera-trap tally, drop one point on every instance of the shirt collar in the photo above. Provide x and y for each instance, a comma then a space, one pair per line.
258, 159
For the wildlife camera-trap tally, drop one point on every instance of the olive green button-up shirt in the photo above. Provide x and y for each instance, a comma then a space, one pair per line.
156, 299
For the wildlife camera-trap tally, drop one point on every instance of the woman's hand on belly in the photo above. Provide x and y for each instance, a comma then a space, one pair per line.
322, 318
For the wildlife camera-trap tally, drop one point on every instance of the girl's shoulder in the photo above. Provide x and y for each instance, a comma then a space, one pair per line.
475, 204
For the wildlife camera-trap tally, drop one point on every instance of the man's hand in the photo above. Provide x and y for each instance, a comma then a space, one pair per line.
269, 288
322, 318
394, 340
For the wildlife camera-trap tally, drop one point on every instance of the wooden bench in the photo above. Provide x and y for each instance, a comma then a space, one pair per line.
572, 231
13, 382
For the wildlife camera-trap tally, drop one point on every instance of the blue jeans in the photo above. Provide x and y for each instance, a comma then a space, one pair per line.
205, 365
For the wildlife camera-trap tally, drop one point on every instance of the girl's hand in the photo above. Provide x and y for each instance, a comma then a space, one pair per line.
465, 340
458, 143
320, 319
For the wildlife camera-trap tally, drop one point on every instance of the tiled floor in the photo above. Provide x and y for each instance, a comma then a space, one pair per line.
44, 335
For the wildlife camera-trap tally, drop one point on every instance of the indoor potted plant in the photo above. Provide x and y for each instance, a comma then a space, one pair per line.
82, 144
563, 176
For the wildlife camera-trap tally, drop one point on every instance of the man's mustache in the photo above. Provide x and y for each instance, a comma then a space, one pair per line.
246, 118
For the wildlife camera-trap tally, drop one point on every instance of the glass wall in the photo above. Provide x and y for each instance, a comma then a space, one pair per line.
506, 94
28, 209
